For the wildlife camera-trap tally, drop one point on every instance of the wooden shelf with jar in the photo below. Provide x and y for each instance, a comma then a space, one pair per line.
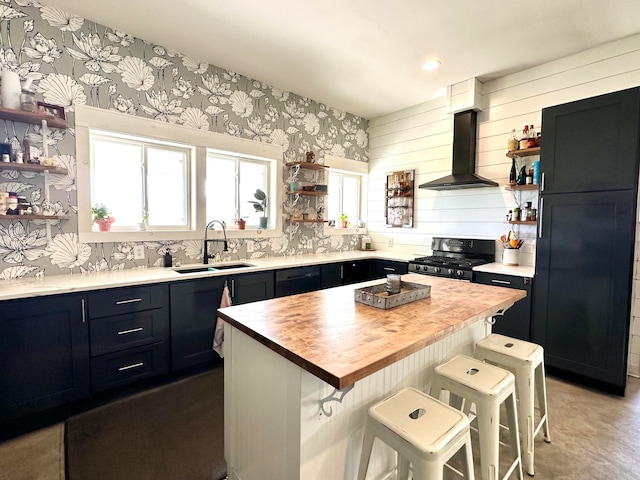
308, 165
32, 118
523, 222
518, 188
308, 220
35, 217
307, 193
32, 167
525, 152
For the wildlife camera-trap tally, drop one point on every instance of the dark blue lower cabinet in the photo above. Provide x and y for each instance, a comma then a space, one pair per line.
516, 320
194, 305
44, 354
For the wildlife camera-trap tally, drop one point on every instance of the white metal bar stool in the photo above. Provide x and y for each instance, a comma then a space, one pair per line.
526, 361
488, 387
424, 431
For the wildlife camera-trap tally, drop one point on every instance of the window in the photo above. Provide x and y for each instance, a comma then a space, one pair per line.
152, 180
233, 186
347, 191
345, 197
178, 177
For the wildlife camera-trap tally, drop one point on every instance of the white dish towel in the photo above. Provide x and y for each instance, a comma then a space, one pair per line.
218, 334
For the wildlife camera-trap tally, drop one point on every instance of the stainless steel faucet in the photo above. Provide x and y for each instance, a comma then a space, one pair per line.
225, 247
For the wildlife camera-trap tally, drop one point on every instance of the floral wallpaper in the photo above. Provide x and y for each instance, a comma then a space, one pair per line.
73, 61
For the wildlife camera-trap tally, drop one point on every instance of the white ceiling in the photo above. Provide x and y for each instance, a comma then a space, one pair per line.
364, 56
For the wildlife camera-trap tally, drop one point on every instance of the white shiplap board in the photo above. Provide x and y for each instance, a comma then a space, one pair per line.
420, 138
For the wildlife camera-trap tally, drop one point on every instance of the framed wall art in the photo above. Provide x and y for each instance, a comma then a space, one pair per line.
399, 199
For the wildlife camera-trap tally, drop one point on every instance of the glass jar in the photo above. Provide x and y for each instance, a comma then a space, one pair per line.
28, 101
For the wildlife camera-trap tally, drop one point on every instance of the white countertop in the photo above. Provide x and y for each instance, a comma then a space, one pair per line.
497, 267
78, 282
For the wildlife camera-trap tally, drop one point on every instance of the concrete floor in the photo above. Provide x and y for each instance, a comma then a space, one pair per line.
594, 436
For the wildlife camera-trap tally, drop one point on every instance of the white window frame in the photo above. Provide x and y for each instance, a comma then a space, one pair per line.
350, 167
88, 118
145, 144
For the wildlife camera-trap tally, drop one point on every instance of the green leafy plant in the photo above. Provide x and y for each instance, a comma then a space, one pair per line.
343, 217
100, 212
260, 202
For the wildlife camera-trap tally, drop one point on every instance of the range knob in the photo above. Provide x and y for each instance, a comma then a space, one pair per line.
450, 271
418, 268
460, 273
437, 269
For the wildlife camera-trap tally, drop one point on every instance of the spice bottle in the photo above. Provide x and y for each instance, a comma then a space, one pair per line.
515, 216
524, 140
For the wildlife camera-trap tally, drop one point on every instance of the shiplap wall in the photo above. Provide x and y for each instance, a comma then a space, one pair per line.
421, 138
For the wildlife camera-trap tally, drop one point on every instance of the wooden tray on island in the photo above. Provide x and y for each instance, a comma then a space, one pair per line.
377, 296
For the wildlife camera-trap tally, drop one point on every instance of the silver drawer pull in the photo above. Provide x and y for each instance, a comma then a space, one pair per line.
129, 367
389, 269
132, 330
133, 300
503, 282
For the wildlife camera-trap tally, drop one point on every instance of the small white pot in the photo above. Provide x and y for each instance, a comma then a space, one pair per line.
511, 256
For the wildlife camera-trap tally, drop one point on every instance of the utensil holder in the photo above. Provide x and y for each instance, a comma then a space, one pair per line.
511, 256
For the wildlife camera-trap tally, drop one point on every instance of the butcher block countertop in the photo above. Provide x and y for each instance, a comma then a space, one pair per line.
341, 341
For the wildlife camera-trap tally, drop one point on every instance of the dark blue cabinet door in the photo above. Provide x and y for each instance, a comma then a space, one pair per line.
44, 354
252, 287
591, 144
194, 306
583, 281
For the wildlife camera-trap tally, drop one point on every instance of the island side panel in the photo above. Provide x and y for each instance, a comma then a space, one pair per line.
281, 400
262, 410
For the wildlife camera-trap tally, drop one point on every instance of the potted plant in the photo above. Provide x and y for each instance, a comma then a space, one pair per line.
344, 220
142, 226
102, 217
241, 222
260, 204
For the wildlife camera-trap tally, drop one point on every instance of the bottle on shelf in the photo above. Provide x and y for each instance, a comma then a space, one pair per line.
513, 174
524, 140
536, 172
512, 143
531, 141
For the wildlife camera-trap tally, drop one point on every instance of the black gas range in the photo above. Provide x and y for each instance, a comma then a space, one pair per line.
454, 257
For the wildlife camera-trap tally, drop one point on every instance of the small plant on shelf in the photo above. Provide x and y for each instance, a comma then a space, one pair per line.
102, 217
260, 204
344, 220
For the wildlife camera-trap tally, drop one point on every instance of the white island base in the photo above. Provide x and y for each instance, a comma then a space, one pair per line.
274, 426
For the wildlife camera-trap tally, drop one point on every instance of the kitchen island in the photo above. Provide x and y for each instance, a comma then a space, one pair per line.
286, 358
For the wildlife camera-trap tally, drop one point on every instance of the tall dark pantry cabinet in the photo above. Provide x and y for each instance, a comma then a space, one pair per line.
584, 254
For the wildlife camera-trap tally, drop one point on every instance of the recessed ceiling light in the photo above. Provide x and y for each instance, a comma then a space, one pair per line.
431, 65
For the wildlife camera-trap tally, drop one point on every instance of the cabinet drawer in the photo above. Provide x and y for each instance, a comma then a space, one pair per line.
111, 334
501, 280
121, 368
105, 303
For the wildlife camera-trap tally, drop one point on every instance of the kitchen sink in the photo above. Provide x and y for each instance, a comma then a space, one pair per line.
212, 268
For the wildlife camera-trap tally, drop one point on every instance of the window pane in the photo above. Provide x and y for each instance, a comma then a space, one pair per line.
333, 200
117, 180
351, 198
221, 189
167, 188
253, 175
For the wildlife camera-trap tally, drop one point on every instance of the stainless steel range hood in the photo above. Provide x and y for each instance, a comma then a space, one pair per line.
464, 157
